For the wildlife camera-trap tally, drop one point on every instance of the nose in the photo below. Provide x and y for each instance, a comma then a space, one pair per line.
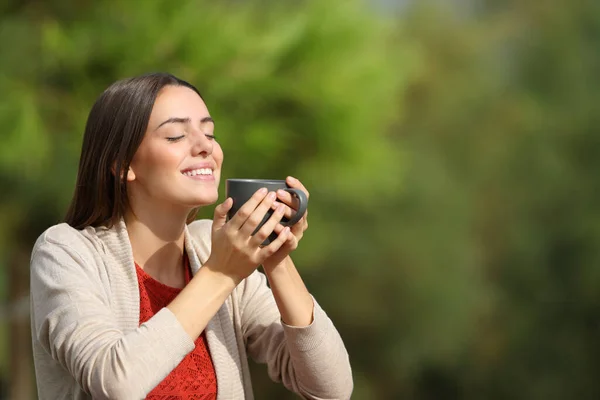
201, 145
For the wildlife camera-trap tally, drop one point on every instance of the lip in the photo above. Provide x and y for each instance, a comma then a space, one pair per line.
199, 166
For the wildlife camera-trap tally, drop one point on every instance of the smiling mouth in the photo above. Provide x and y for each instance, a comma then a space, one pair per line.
199, 171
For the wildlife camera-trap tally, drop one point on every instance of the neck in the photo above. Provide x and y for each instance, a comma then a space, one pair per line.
157, 241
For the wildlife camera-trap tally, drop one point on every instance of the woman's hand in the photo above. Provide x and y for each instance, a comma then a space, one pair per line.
235, 252
297, 230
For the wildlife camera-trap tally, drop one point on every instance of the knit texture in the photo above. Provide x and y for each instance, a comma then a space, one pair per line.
88, 341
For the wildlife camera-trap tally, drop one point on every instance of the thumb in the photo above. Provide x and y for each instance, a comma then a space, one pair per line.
220, 216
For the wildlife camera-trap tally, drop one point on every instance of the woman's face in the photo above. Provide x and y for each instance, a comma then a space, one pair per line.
179, 161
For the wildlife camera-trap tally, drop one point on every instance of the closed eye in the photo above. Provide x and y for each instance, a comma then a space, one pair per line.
175, 138
211, 137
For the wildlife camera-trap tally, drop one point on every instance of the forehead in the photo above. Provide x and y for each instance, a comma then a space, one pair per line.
178, 101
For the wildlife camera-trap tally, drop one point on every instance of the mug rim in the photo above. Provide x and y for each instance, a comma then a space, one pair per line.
250, 180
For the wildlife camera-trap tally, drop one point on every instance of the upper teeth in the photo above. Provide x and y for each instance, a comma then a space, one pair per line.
201, 171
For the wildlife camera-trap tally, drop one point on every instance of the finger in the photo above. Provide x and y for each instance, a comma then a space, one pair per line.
278, 228
291, 243
246, 210
257, 216
287, 199
220, 214
295, 183
276, 244
288, 211
268, 227
297, 230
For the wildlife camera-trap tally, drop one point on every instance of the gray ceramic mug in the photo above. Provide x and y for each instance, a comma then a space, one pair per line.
240, 190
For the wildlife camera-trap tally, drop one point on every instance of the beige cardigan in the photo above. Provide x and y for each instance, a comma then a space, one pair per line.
87, 341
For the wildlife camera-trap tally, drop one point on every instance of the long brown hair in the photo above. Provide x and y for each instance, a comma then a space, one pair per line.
114, 130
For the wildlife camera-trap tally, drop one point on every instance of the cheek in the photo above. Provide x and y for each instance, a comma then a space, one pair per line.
156, 160
166, 158
218, 154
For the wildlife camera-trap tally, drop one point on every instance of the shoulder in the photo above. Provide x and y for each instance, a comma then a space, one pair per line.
61, 234
63, 237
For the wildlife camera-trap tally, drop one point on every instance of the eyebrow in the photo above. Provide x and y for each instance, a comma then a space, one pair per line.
178, 120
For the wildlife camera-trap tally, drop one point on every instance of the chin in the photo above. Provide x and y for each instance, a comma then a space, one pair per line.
205, 200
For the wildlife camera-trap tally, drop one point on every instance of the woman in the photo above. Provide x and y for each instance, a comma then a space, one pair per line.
129, 301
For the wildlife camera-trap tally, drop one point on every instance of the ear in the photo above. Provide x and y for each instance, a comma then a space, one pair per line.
130, 175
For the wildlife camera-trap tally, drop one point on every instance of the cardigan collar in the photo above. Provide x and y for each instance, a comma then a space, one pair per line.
221, 343
115, 241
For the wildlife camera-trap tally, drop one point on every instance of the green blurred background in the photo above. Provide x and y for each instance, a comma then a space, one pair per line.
451, 149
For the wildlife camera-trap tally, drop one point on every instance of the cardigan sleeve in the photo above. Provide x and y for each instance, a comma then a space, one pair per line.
310, 361
73, 321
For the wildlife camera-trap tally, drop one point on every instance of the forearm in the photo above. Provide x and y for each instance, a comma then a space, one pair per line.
293, 300
200, 300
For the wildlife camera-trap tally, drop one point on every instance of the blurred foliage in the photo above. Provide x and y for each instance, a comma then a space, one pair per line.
450, 148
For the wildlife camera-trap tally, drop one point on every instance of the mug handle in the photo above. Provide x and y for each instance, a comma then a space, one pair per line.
302, 205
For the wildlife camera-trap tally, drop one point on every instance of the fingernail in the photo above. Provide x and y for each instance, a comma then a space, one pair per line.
272, 196
291, 178
281, 192
286, 230
280, 208
262, 190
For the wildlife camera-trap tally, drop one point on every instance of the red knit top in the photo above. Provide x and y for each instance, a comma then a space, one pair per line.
194, 377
